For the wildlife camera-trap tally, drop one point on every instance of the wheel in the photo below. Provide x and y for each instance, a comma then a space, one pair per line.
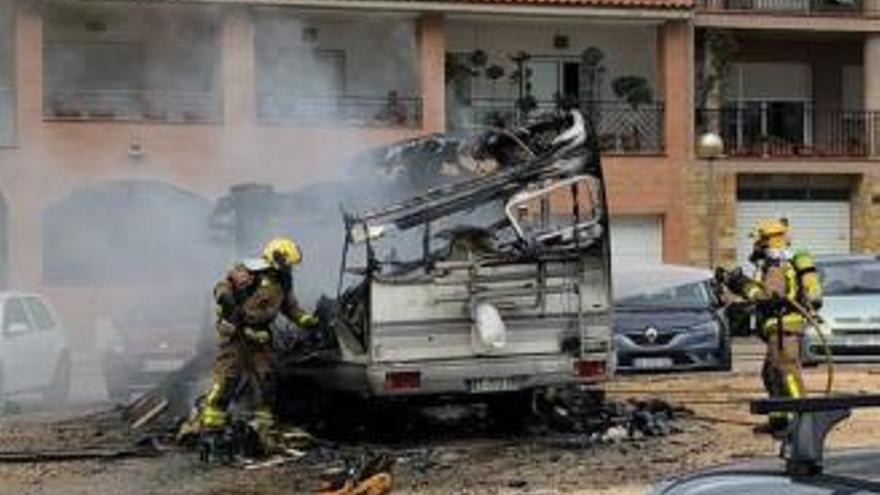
726, 362
59, 389
726, 353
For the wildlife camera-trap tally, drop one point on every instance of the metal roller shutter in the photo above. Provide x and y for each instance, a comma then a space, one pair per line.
636, 239
823, 227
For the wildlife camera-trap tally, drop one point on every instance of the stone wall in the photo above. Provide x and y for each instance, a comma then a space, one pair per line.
866, 214
698, 209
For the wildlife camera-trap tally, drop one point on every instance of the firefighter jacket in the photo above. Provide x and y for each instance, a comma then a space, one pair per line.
254, 297
781, 281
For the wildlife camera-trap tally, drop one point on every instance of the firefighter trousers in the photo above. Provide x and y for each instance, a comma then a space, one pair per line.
781, 372
238, 358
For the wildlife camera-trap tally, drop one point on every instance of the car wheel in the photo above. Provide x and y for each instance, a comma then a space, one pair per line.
59, 389
726, 361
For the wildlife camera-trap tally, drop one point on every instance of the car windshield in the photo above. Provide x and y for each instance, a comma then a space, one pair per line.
841, 279
690, 295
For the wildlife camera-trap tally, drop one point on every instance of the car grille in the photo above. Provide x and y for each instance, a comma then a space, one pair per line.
642, 340
856, 331
846, 350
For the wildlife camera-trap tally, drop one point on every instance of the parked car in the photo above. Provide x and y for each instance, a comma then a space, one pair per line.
667, 317
851, 309
34, 354
855, 472
151, 340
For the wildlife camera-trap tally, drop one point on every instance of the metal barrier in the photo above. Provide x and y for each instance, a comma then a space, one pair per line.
622, 128
379, 111
156, 106
780, 132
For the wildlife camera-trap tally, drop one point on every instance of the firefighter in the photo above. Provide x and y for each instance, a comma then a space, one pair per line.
248, 300
786, 284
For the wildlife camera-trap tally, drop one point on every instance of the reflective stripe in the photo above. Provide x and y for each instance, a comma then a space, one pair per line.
214, 393
753, 292
791, 282
792, 386
791, 323
212, 417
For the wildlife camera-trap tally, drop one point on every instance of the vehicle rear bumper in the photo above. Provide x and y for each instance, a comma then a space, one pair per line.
482, 376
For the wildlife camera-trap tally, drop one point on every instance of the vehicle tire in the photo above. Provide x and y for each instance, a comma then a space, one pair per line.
58, 390
725, 353
726, 363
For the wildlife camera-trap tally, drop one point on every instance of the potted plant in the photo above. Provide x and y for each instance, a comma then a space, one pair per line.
635, 91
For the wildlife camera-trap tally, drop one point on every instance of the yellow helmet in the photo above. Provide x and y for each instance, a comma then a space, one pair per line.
771, 233
282, 252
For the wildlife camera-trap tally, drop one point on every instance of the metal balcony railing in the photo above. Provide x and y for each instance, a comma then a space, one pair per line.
768, 132
131, 105
621, 127
346, 110
7, 116
789, 7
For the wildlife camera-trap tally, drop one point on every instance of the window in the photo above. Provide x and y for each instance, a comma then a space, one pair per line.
322, 67
112, 62
15, 318
40, 313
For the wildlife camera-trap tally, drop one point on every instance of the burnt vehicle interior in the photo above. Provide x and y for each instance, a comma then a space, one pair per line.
530, 198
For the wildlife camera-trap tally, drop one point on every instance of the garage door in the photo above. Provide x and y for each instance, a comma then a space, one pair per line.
636, 239
823, 227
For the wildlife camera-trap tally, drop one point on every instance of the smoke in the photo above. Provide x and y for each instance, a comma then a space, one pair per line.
131, 251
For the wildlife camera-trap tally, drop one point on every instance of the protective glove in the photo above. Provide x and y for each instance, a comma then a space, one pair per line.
261, 337
307, 320
225, 329
736, 281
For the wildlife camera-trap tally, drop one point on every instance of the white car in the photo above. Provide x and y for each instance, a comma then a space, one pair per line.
34, 354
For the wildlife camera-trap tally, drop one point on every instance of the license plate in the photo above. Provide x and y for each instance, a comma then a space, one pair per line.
482, 385
652, 363
162, 365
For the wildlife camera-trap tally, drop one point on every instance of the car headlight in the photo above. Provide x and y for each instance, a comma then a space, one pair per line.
704, 333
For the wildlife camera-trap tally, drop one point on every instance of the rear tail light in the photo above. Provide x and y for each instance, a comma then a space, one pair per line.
403, 380
589, 369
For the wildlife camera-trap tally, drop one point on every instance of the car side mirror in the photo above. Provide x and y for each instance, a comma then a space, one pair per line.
16, 328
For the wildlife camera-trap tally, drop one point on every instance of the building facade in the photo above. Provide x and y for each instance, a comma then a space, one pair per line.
168, 105
792, 87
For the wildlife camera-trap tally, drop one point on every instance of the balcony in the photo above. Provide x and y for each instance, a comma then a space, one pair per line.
622, 129
787, 7
781, 130
344, 110
128, 105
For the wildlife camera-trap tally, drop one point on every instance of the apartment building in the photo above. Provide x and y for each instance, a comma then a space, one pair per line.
165, 106
796, 100
161, 107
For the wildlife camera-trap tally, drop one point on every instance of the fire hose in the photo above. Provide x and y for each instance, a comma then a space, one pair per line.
817, 325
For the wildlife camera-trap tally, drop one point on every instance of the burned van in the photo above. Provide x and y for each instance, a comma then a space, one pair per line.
493, 284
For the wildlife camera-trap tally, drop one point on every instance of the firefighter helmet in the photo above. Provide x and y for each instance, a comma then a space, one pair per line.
282, 252
771, 233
